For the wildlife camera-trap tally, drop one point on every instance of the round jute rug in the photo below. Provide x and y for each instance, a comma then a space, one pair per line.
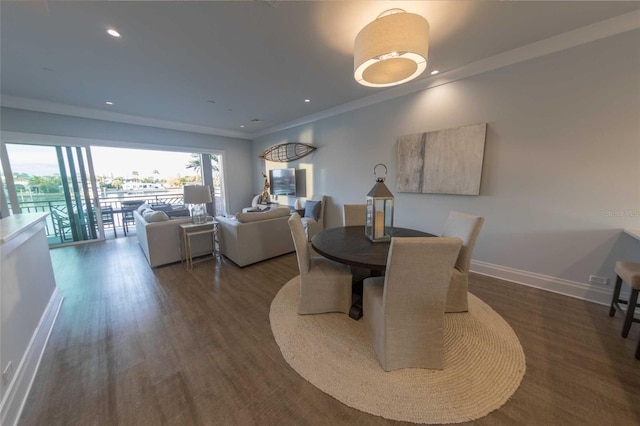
483, 366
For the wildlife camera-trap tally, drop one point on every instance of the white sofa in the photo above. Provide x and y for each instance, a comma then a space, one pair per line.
161, 241
255, 236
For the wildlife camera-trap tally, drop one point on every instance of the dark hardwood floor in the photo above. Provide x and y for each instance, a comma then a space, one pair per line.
136, 346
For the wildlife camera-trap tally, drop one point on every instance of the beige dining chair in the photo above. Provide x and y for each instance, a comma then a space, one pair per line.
354, 214
467, 228
325, 285
404, 310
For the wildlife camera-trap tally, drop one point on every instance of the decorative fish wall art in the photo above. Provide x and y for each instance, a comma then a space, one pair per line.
286, 152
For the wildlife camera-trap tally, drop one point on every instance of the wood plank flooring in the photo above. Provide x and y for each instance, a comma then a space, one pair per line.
136, 346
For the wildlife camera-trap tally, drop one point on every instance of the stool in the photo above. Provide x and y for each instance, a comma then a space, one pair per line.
629, 273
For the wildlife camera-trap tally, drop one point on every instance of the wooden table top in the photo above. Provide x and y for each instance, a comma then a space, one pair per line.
350, 246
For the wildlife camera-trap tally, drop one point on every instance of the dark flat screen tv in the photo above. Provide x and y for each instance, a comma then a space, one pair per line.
283, 181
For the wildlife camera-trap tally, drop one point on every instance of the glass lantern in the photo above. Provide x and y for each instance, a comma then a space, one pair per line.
379, 224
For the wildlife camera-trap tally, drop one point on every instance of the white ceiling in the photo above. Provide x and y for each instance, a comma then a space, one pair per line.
254, 59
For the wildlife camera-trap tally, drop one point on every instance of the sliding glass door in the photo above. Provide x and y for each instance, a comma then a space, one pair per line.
56, 180
84, 188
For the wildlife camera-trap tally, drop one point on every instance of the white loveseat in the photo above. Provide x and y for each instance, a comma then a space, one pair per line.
160, 241
255, 236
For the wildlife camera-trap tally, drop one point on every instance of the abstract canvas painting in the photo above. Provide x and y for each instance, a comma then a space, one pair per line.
442, 162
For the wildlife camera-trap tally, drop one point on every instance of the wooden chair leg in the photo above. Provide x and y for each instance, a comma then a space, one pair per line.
631, 308
616, 296
638, 350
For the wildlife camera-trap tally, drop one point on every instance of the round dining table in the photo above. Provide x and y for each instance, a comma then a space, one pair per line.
350, 246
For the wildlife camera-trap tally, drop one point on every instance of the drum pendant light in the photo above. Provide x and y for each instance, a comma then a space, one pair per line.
391, 50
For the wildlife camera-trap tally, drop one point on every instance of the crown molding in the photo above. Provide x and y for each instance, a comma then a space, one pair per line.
599, 30
96, 114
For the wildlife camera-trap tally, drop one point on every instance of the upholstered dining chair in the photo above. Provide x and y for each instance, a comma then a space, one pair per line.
354, 214
404, 310
467, 228
325, 285
313, 219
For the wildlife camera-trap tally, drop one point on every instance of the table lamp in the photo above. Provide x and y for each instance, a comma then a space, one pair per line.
197, 197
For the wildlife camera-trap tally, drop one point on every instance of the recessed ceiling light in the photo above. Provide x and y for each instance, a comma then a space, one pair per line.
113, 33
242, 125
109, 103
307, 100
434, 72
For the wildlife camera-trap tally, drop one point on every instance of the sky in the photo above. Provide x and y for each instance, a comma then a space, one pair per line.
110, 162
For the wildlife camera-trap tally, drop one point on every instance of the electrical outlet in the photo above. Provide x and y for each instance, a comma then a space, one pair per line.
594, 279
7, 373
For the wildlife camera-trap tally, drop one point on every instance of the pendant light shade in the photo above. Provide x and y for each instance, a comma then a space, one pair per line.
391, 50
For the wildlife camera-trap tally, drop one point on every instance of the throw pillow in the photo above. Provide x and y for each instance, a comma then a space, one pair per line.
312, 209
153, 216
143, 211
143, 207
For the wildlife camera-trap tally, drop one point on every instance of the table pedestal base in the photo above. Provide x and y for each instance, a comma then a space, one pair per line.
356, 300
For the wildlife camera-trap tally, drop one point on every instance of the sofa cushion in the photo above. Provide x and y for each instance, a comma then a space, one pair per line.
153, 216
256, 216
312, 209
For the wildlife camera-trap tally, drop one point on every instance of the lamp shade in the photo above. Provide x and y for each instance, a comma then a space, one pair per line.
197, 194
391, 50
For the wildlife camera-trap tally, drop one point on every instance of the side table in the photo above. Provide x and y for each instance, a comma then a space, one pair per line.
188, 230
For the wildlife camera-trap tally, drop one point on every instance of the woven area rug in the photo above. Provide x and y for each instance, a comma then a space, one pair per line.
484, 363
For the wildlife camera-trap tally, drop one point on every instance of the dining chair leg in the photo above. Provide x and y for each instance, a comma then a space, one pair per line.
616, 296
631, 308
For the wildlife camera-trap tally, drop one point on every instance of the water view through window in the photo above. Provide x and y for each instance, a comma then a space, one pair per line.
57, 180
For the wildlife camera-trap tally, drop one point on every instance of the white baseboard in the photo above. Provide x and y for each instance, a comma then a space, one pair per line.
569, 288
18, 390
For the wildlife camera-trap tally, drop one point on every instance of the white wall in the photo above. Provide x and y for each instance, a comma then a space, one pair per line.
561, 174
237, 152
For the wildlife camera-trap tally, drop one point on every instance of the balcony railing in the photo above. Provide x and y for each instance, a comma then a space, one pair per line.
60, 208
